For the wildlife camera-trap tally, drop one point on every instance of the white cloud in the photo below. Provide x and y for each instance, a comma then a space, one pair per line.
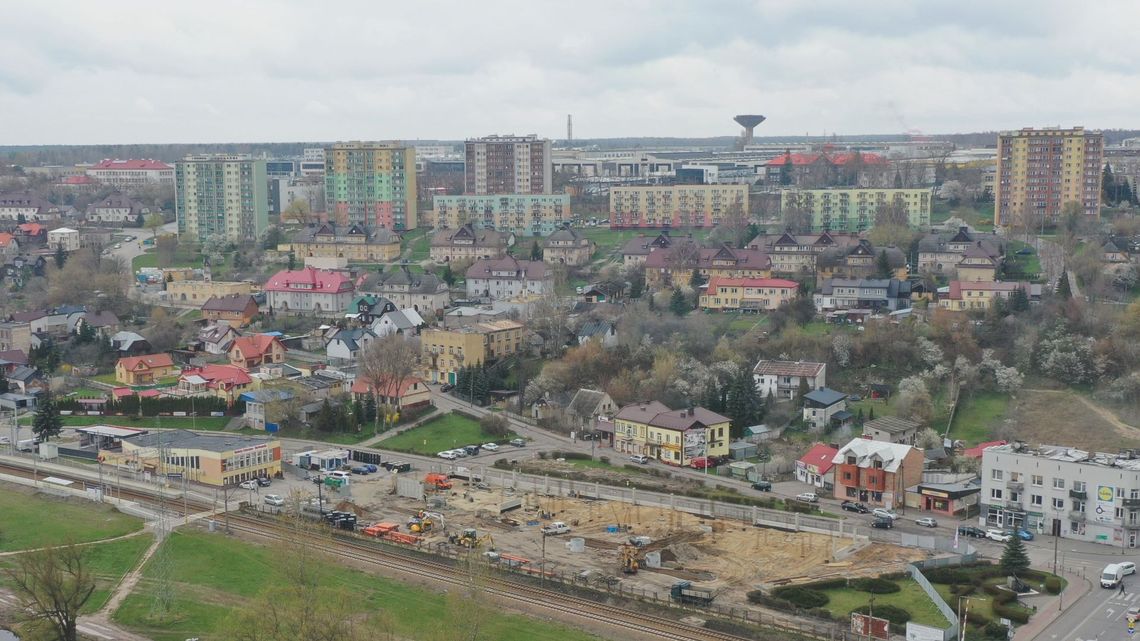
295, 70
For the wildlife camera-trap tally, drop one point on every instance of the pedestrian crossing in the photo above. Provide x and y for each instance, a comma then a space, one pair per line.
1128, 598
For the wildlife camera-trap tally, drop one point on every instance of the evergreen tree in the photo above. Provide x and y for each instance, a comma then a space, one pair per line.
743, 405
677, 304
786, 168
695, 279
1064, 291
652, 303
358, 413
859, 418
47, 422
1014, 558
85, 333
1018, 300
871, 414
712, 398
535, 251
447, 275
4, 386
325, 420
370, 409
803, 389
140, 220
60, 256
1108, 187
883, 267
21, 219
292, 261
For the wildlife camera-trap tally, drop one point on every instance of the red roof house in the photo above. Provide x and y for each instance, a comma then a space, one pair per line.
411, 392
814, 468
976, 451
251, 351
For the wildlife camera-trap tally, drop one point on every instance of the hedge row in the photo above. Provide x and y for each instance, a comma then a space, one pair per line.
1053, 585
801, 596
876, 586
1010, 611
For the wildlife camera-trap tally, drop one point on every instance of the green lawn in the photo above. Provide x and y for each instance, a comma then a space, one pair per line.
441, 433
108, 378
340, 438
418, 243
978, 416
88, 392
911, 598
980, 601
31, 521
745, 322
213, 574
1018, 264
184, 256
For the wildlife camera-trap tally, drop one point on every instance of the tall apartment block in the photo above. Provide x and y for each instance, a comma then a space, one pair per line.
660, 206
1040, 170
371, 183
508, 165
221, 194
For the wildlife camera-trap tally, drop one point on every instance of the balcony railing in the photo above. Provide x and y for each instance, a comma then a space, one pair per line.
1081, 495
1131, 503
1015, 485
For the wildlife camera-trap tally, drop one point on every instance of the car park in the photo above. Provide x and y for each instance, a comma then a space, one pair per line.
1001, 536
264, 481
852, 506
807, 497
971, 531
881, 513
763, 486
926, 521
491, 447
882, 524
518, 442
640, 458
274, 499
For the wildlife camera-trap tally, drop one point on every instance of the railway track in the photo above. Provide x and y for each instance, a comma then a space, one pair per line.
440, 572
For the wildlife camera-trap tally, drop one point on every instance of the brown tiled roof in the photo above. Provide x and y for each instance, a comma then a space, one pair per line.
228, 303
788, 368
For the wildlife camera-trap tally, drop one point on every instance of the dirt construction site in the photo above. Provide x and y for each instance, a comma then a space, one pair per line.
728, 557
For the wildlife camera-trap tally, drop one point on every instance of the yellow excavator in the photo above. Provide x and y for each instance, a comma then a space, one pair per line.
424, 522
470, 538
629, 560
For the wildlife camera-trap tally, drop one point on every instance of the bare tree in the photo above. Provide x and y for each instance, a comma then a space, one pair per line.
797, 218
297, 212
548, 318
153, 222
53, 585
386, 363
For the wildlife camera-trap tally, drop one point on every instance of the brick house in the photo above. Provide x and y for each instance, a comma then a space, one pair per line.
876, 472
144, 370
251, 351
235, 309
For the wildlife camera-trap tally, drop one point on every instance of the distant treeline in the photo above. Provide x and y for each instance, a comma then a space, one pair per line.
37, 155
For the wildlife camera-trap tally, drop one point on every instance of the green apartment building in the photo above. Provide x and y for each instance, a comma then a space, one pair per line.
371, 183
854, 210
221, 194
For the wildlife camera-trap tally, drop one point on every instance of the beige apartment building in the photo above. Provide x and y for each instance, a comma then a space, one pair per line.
199, 291
660, 206
1040, 170
445, 351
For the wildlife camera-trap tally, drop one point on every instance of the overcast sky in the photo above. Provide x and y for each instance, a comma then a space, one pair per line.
245, 70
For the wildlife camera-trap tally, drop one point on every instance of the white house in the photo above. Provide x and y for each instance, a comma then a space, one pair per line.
64, 237
782, 378
824, 406
347, 343
309, 290
508, 277
405, 322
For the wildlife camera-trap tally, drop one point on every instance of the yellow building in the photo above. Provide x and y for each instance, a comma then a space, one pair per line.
978, 296
144, 370
446, 351
1040, 170
671, 436
749, 294
220, 460
854, 210
523, 214
567, 247
674, 266
200, 291
677, 206
356, 243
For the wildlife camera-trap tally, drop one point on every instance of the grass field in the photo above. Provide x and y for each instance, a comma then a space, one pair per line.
207, 423
1018, 264
417, 245
184, 256
978, 416
445, 432
36, 520
911, 598
340, 438
1069, 418
213, 574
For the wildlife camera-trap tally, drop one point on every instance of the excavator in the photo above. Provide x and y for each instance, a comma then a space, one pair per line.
470, 538
629, 560
424, 522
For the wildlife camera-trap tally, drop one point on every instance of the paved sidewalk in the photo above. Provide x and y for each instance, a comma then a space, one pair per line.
1053, 608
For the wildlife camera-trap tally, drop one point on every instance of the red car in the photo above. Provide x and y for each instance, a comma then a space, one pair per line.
701, 463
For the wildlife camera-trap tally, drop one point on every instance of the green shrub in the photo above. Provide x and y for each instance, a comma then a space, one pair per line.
806, 598
994, 630
979, 617
755, 596
876, 586
1053, 585
1012, 612
829, 584
999, 595
896, 615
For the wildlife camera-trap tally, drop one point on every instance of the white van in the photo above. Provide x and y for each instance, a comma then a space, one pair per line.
1111, 576
337, 474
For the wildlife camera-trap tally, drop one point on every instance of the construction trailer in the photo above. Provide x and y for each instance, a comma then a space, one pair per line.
686, 592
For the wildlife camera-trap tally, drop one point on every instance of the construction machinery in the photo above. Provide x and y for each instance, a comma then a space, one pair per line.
686, 592
629, 559
424, 521
438, 481
470, 538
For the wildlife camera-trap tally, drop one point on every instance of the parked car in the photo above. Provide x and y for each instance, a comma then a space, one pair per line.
1023, 534
518, 442
360, 469
852, 506
264, 481
701, 463
273, 499
372, 469
881, 513
807, 497
249, 485
471, 450
640, 458
883, 524
763, 486
491, 447
971, 531
1001, 536
926, 521
446, 387
448, 454
557, 527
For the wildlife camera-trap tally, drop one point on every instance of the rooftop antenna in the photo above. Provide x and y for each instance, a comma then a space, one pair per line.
749, 122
